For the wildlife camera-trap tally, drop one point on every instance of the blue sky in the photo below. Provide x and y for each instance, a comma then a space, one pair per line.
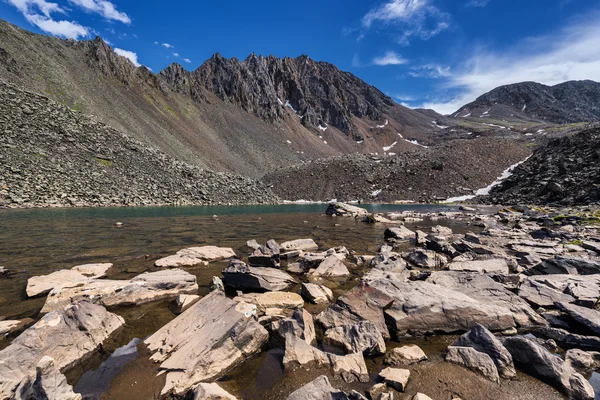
437, 54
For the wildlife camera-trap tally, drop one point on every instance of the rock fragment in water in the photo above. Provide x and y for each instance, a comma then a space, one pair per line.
396, 377
317, 294
40, 285
144, 288
211, 391
405, 355
299, 244
318, 389
399, 232
363, 337
346, 210
240, 276
86, 324
474, 360
210, 338
185, 301
195, 256
263, 301
331, 267
350, 367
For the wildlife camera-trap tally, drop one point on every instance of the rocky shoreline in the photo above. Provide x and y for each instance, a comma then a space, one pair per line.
521, 287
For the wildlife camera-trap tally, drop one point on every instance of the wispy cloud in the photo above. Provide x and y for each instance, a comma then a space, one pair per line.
133, 57
167, 45
187, 60
430, 71
175, 54
389, 58
414, 18
477, 3
105, 8
572, 53
39, 13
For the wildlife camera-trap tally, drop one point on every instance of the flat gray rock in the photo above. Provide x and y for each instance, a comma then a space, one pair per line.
405, 355
194, 256
396, 377
331, 267
39, 285
240, 276
346, 210
399, 232
299, 244
585, 316
565, 265
47, 383
144, 288
88, 325
211, 391
317, 294
319, 389
301, 325
493, 266
426, 259
541, 295
211, 337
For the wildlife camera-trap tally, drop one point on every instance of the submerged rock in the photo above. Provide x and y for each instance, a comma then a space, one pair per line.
201, 344
195, 256
88, 325
350, 367
40, 285
240, 276
363, 337
144, 288
548, 367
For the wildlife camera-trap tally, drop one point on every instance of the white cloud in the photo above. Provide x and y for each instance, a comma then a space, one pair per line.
415, 18
156, 43
187, 60
430, 71
104, 8
389, 58
129, 55
168, 46
175, 54
572, 53
38, 13
477, 3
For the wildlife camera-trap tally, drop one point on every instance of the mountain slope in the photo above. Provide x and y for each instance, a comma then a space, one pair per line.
50, 155
568, 102
565, 172
226, 115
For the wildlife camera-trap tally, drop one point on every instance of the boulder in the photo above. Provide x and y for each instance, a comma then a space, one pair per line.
421, 396
252, 244
363, 337
266, 256
593, 246
346, 210
485, 290
441, 230
583, 361
299, 244
585, 289
88, 325
319, 389
405, 355
426, 259
493, 266
331, 267
396, 377
399, 233
361, 303
301, 325
567, 340
421, 307
185, 301
317, 294
273, 300
586, 316
484, 341
240, 276
217, 284
350, 367
473, 360
540, 295
211, 337
195, 256
210, 391
565, 265
144, 288
40, 285
548, 367
47, 383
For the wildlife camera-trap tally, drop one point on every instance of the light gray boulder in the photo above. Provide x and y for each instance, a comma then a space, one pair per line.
240, 276
331, 267
195, 256
317, 294
47, 383
586, 316
40, 285
299, 244
405, 355
363, 337
211, 391
399, 233
319, 389
346, 210
473, 360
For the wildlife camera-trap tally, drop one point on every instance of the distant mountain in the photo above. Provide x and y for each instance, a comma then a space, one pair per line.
249, 116
568, 102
